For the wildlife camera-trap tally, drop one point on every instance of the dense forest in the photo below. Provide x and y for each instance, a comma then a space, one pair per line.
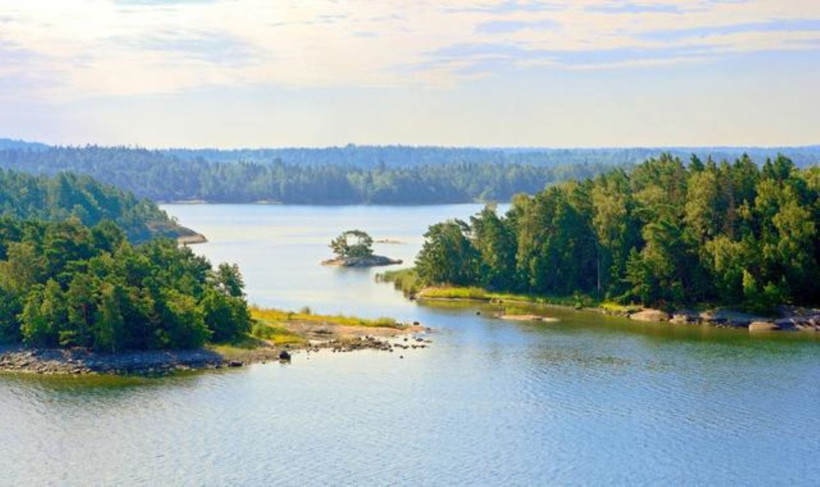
71, 276
24, 196
662, 234
161, 177
336, 175
65, 284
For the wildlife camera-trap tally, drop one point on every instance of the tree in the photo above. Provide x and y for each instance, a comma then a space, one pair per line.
352, 243
448, 256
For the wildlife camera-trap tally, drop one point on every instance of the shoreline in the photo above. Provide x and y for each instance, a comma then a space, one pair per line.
803, 320
369, 261
304, 335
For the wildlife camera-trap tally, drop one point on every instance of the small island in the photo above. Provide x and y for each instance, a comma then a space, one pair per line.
354, 248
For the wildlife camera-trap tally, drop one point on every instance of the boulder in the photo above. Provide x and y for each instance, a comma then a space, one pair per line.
650, 315
284, 356
763, 326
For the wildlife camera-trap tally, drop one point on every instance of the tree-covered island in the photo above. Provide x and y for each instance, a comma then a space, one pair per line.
92, 280
354, 248
664, 235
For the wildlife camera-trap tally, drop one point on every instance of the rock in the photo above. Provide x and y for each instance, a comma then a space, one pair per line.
763, 326
526, 318
284, 356
684, 316
235, 363
370, 261
786, 324
728, 318
650, 315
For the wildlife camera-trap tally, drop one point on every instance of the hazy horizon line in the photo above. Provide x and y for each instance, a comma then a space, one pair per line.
406, 145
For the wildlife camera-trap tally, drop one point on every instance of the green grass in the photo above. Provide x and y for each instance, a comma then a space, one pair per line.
274, 317
620, 308
478, 294
236, 346
278, 335
405, 280
449, 292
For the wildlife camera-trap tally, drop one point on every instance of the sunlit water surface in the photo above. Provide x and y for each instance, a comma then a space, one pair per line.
586, 400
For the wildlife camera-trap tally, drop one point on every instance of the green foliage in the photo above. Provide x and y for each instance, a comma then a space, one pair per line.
340, 175
63, 284
405, 280
69, 196
448, 256
352, 243
661, 234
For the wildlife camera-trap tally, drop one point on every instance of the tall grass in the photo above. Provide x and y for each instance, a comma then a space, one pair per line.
277, 316
405, 280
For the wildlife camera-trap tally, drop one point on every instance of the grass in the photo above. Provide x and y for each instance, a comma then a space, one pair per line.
620, 308
275, 317
237, 347
478, 294
405, 280
278, 335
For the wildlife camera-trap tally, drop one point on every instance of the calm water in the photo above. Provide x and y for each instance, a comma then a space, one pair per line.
586, 400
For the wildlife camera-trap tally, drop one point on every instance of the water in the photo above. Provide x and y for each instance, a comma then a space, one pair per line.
586, 400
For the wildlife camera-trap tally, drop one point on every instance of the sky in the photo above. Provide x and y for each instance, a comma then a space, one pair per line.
282, 73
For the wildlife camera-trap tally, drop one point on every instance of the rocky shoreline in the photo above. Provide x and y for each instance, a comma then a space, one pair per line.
196, 238
49, 361
369, 261
793, 320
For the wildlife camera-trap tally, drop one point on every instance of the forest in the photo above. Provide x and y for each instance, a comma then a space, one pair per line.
339, 175
662, 234
70, 275
23, 196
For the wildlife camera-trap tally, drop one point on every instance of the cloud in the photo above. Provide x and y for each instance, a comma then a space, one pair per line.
121, 47
161, 2
508, 26
217, 48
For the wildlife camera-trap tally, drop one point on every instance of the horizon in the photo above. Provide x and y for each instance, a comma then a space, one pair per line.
406, 146
495, 73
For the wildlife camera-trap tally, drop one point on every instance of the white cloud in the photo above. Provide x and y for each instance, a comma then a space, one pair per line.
100, 47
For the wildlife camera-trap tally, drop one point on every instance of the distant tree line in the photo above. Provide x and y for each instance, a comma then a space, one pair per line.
664, 233
57, 198
162, 176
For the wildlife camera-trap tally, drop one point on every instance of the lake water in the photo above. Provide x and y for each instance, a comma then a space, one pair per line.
585, 400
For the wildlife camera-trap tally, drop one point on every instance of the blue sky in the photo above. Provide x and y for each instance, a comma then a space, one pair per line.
561, 73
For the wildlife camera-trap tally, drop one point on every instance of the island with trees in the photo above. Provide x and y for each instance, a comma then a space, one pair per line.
354, 248
665, 235
91, 280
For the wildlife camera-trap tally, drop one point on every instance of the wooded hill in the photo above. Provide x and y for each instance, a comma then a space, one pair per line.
27, 197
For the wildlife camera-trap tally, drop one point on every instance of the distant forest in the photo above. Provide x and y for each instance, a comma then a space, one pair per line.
346, 175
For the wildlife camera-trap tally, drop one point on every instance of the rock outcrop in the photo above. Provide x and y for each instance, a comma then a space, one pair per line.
369, 261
